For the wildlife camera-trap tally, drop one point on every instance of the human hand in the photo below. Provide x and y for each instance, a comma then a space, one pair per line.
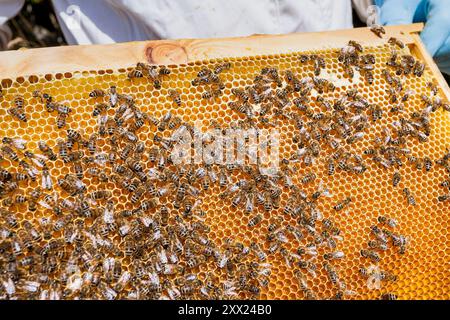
435, 14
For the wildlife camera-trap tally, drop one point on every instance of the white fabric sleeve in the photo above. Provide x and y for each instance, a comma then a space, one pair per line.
87, 22
361, 8
8, 9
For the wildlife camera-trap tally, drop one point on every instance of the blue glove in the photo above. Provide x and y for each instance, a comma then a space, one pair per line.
435, 14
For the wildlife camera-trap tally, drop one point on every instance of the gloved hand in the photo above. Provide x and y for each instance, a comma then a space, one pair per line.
435, 14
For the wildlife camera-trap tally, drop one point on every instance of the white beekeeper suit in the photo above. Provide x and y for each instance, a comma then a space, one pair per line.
108, 21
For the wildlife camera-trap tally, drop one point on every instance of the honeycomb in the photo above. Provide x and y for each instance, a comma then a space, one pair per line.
421, 272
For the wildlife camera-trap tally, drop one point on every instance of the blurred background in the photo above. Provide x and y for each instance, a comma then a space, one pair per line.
35, 26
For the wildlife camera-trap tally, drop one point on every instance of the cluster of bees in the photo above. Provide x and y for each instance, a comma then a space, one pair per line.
444, 162
87, 248
383, 236
155, 245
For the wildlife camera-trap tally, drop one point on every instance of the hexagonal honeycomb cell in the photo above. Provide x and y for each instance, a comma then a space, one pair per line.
282, 256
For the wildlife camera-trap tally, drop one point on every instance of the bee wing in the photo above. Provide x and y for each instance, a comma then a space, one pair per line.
100, 159
312, 272
19, 143
286, 259
9, 286
146, 221
113, 100
282, 237
44, 295
102, 120
349, 292
47, 182
32, 171
40, 156
44, 182
162, 256
38, 163
373, 282
204, 291
173, 258
91, 201
92, 237
45, 204
157, 235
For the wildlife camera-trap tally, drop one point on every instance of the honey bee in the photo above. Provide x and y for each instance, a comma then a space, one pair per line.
396, 179
157, 83
164, 71
47, 182
97, 93
409, 197
113, 96
396, 42
211, 94
17, 143
153, 154
433, 88
445, 183
203, 73
428, 163
368, 75
20, 198
377, 245
388, 296
372, 255
378, 30
309, 177
388, 76
368, 59
304, 58
334, 255
61, 120
19, 101
357, 136
99, 108
319, 63
45, 149
407, 95
10, 153
387, 221
240, 94
255, 220
419, 68
349, 71
356, 45
331, 272
74, 156
175, 96
18, 113
341, 205
100, 194
135, 73
445, 197
225, 66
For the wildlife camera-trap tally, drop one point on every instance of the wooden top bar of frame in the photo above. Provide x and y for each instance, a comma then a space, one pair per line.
121, 55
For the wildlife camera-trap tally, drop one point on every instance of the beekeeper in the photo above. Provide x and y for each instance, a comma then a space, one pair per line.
108, 21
